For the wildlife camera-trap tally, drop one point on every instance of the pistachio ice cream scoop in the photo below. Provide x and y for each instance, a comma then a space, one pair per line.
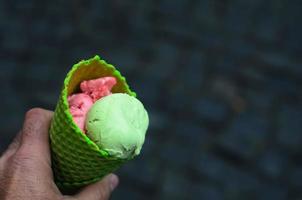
117, 123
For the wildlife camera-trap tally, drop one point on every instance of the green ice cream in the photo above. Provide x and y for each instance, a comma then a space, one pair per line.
118, 123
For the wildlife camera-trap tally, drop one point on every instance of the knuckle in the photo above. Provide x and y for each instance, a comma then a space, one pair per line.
33, 112
30, 128
32, 122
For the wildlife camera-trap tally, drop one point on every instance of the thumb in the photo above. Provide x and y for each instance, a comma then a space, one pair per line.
100, 190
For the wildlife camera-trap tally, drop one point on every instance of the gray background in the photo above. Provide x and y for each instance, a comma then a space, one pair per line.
221, 81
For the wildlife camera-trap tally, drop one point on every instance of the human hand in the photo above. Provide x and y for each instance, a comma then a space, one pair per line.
25, 167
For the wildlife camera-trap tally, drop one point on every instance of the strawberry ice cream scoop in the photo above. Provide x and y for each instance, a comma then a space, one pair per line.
79, 104
98, 88
92, 90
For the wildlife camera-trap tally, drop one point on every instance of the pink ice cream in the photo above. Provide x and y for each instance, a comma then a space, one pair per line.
92, 90
79, 104
98, 88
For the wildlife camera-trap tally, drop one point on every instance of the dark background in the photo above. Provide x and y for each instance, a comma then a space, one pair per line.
221, 81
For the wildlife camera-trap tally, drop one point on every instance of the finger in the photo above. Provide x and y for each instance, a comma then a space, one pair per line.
33, 152
13, 147
35, 136
100, 190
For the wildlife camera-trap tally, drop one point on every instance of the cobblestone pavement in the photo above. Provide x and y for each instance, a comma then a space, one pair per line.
221, 81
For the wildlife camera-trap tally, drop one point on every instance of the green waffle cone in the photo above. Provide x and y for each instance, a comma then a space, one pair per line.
77, 160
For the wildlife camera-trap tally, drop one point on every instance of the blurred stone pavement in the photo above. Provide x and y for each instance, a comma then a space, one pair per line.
222, 82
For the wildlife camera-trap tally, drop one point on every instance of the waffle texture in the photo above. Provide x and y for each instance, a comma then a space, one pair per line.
77, 160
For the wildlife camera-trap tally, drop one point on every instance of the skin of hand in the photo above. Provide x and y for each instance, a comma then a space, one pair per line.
25, 167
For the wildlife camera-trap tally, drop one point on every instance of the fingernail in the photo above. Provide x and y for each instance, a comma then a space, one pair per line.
113, 181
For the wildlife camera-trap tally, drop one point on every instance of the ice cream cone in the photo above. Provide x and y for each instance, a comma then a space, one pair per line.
77, 160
